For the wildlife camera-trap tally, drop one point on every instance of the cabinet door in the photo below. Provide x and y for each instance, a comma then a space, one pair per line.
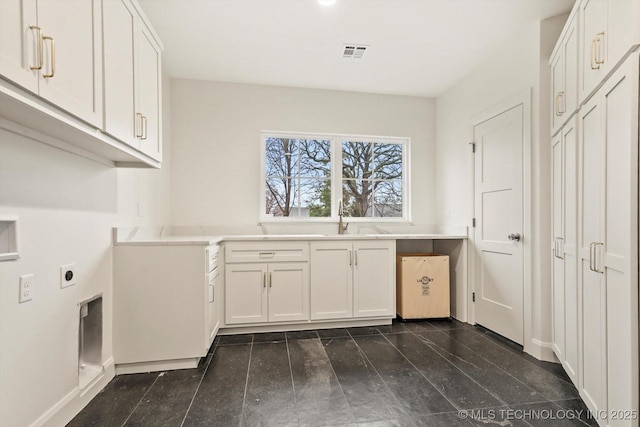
623, 27
570, 49
19, 43
245, 293
593, 22
594, 374
72, 57
619, 260
331, 280
374, 279
288, 287
558, 257
569, 248
119, 21
149, 83
213, 321
557, 90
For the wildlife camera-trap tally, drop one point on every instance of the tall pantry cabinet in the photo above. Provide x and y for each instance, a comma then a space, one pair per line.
595, 213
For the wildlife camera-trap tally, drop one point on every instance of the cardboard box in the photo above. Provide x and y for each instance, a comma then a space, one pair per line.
422, 286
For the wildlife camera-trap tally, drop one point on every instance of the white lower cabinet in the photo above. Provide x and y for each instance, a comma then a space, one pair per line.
331, 280
354, 279
166, 305
374, 278
266, 291
269, 282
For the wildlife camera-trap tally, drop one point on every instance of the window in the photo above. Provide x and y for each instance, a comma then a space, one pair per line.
305, 177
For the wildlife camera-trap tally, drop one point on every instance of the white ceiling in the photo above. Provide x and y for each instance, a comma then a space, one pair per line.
417, 47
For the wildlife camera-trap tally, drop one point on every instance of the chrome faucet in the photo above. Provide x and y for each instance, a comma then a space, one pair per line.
342, 227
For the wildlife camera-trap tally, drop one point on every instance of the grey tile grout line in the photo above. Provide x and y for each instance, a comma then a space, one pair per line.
246, 383
293, 385
456, 367
378, 373
193, 398
508, 373
353, 418
487, 360
432, 384
142, 398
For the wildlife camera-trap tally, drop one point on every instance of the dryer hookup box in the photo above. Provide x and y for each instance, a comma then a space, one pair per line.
422, 286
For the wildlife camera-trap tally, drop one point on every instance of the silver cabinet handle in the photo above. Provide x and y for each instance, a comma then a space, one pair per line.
593, 262
144, 127
558, 248
355, 254
139, 129
595, 257
514, 236
270, 280
264, 280
350, 262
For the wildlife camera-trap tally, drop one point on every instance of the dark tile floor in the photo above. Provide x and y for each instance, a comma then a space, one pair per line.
428, 373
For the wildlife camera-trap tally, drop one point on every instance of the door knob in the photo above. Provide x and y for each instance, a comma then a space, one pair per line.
515, 236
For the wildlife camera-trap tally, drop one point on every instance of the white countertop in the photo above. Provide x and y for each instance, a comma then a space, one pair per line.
154, 236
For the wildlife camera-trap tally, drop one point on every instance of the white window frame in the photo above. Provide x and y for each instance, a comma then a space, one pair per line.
336, 176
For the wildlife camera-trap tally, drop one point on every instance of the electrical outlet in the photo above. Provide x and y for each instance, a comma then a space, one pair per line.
26, 288
67, 275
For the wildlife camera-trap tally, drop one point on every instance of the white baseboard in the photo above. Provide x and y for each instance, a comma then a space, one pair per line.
70, 405
326, 324
541, 350
155, 366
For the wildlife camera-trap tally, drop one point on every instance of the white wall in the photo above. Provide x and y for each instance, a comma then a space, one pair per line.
216, 142
517, 66
66, 206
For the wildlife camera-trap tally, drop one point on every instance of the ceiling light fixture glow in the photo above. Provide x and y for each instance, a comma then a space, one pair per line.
327, 2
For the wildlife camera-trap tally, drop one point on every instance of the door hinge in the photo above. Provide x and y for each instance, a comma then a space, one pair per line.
473, 222
473, 296
473, 146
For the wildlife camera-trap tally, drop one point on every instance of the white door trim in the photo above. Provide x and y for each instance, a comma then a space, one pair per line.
523, 98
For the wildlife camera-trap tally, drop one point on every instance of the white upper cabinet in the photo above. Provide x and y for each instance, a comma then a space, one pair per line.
119, 21
71, 74
85, 75
610, 29
19, 36
53, 48
148, 95
132, 79
564, 74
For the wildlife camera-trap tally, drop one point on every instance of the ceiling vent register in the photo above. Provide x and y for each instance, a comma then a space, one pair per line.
354, 51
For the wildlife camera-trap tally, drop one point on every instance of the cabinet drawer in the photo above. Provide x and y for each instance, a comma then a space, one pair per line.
266, 252
212, 257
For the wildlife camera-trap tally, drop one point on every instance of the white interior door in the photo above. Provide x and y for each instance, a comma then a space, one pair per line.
500, 223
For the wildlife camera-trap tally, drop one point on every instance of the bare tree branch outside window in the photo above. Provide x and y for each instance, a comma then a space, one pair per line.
298, 173
372, 179
298, 178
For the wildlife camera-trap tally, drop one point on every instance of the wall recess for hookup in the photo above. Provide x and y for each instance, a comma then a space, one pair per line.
67, 275
9, 238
